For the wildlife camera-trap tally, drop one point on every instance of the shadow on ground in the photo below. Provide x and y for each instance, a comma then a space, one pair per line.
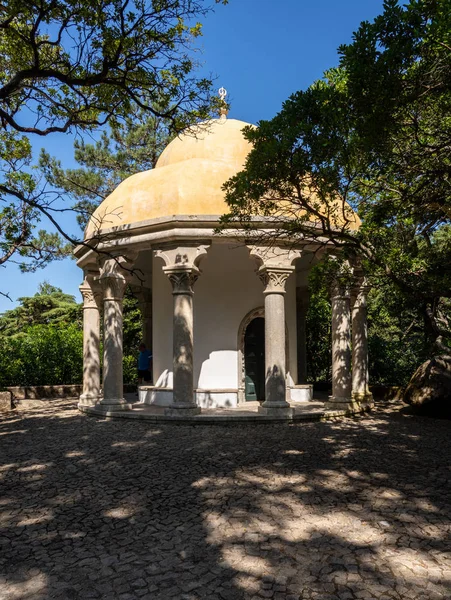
124, 509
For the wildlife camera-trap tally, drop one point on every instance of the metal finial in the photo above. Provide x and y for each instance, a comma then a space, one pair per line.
222, 93
223, 111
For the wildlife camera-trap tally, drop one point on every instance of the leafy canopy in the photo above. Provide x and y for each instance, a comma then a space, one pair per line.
373, 135
71, 65
49, 306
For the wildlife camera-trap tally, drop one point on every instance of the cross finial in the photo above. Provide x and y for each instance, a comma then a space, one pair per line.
222, 92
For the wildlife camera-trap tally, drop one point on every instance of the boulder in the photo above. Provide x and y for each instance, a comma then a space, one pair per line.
429, 390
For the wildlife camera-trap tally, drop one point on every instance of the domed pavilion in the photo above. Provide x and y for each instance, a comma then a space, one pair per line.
225, 319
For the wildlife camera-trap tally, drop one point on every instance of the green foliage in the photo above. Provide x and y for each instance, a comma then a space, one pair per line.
373, 135
43, 355
41, 340
69, 66
396, 335
130, 368
49, 306
130, 146
132, 335
319, 349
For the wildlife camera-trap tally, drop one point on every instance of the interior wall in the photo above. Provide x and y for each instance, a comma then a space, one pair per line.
290, 318
162, 312
226, 291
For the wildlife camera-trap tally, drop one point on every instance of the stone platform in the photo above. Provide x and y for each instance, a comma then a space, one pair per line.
302, 411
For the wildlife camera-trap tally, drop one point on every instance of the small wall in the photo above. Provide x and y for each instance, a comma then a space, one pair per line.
149, 394
301, 393
204, 398
38, 392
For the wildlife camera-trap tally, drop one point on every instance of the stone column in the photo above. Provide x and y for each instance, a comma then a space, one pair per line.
113, 280
274, 279
275, 268
182, 271
360, 379
302, 303
92, 299
182, 280
341, 348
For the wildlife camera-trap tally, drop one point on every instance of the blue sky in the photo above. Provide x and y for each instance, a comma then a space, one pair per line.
261, 51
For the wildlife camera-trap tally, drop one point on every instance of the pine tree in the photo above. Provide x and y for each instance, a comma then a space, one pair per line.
128, 147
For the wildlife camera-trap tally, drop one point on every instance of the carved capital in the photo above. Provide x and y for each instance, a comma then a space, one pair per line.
113, 287
359, 291
91, 291
182, 278
274, 278
274, 256
188, 255
116, 271
339, 290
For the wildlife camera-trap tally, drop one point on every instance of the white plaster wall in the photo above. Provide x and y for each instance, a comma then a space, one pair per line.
226, 291
162, 308
290, 318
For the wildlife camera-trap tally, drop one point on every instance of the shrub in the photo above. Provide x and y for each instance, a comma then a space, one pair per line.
42, 355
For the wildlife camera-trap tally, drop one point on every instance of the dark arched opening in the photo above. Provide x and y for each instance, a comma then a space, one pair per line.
254, 360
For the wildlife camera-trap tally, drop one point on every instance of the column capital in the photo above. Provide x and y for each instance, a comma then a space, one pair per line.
182, 278
339, 289
115, 272
274, 256
275, 266
91, 290
274, 278
359, 287
188, 255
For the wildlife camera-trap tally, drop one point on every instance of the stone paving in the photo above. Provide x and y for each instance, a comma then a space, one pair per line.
357, 509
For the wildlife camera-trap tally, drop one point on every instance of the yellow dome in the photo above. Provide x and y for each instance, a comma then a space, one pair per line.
186, 180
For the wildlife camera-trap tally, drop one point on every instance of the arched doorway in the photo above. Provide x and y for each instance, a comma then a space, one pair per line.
254, 360
253, 315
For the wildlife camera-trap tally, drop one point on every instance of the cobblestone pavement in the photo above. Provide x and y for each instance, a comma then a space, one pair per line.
123, 509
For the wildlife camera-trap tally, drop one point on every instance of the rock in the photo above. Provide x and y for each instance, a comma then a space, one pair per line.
429, 390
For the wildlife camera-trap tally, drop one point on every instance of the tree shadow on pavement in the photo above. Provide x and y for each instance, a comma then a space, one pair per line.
124, 509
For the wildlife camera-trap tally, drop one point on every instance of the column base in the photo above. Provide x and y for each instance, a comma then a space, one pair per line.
365, 399
342, 403
177, 410
113, 405
276, 410
86, 400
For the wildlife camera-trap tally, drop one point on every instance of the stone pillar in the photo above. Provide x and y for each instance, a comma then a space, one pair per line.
302, 303
92, 300
182, 280
113, 280
275, 268
341, 348
274, 279
182, 271
360, 379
